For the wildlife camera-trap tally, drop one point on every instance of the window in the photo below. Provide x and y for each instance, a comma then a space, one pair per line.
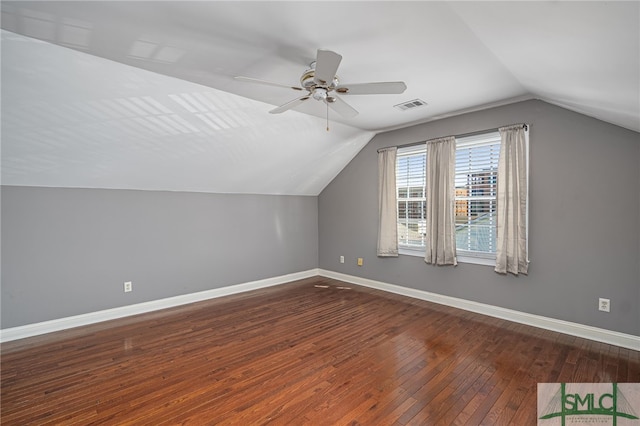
411, 167
476, 178
475, 197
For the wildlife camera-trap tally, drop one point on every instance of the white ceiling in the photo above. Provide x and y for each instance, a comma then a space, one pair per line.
141, 95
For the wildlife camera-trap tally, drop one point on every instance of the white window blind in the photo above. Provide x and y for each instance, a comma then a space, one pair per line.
476, 177
411, 166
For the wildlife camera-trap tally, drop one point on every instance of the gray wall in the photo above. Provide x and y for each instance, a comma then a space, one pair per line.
584, 220
69, 251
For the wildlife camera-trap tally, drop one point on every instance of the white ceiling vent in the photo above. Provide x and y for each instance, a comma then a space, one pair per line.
411, 104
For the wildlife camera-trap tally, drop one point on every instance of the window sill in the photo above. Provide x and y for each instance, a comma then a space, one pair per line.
461, 258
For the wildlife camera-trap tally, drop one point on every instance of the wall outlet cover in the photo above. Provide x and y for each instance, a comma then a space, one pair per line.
604, 305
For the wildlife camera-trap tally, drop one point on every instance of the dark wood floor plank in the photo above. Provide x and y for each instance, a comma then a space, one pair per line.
633, 372
298, 354
453, 409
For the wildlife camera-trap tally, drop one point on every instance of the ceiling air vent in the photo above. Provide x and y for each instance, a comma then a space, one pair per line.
411, 104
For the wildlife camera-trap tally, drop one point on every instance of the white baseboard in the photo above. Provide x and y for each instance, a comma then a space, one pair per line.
566, 327
30, 330
579, 330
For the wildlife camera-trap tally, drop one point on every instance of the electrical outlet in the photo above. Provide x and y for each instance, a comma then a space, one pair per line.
360, 261
128, 286
341, 259
604, 305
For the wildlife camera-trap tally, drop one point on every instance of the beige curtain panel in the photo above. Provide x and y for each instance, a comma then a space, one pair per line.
512, 194
441, 230
387, 203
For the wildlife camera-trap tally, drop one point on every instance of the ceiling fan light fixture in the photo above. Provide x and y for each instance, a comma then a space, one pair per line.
319, 94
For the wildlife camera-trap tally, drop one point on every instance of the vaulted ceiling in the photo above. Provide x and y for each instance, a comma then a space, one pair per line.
142, 95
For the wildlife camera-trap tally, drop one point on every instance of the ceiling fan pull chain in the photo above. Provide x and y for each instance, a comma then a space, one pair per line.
327, 115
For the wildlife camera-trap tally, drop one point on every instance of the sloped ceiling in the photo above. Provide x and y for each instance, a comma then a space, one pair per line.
141, 95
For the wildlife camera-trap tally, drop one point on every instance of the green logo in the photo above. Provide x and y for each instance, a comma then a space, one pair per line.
587, 400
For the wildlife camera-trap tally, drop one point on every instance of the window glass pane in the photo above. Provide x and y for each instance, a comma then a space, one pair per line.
416, 192
416, 209
475, 227
402, 210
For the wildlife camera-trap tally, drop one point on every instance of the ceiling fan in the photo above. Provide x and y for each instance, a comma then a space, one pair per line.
322, 84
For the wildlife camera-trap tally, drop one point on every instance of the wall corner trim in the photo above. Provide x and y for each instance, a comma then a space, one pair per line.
59, 324
574, 329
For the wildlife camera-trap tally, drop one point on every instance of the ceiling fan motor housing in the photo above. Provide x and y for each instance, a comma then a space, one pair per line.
307, 81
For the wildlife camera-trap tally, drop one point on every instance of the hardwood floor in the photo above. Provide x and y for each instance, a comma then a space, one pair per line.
298, 354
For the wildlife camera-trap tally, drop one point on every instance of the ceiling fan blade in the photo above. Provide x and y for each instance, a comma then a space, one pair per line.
342, 108
289, 105
382, 88
268, 83
327, 63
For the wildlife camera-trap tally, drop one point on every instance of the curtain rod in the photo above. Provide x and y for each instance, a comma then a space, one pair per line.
463, 135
